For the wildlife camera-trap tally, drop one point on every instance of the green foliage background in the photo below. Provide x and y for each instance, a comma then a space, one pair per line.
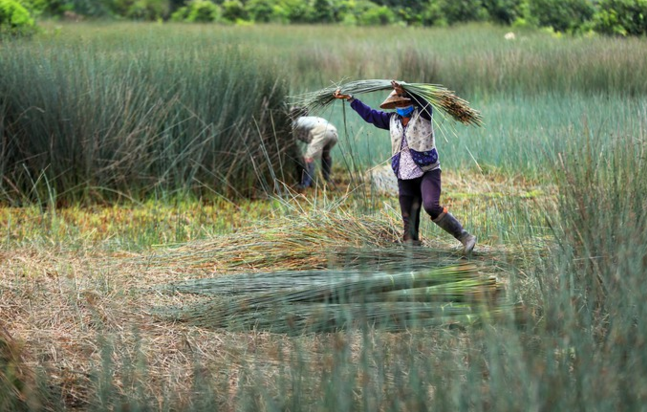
615, 17
14, 18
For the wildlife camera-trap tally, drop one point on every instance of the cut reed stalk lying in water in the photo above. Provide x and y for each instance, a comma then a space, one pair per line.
438, 96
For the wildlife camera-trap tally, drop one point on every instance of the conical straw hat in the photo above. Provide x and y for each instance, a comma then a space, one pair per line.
392, 99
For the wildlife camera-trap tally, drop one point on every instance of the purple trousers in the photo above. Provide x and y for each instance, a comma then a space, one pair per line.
423, 191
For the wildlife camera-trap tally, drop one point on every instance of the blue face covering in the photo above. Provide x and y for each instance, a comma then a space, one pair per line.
404, 111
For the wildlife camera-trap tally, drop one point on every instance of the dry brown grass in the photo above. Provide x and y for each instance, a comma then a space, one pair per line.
63, 306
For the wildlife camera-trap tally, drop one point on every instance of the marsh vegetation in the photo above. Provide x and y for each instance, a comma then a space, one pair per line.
142, 162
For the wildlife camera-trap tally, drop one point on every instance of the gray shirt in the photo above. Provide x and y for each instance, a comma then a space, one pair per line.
316, 132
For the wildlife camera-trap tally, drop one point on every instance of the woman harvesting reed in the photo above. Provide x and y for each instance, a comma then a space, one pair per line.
414, 160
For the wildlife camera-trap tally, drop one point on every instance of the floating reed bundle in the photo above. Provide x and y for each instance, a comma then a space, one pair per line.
316, 301
438, 96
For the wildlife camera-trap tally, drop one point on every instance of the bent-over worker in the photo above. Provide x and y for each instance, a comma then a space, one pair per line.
320, 137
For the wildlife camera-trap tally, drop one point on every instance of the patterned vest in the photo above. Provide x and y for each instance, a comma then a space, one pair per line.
420, 137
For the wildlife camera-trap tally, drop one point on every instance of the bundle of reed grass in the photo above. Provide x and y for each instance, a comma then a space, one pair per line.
306, 241
388, 316
313, 285
468, 290
359, 267
337, 299
438, 96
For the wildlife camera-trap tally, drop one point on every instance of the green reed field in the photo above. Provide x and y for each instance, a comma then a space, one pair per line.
145, 166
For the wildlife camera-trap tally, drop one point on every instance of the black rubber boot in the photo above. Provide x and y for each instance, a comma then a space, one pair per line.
449, 224
410, 232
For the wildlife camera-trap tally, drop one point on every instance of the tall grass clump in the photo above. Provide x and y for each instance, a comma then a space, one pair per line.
94, 118
593, 298
582, 346
603, 235
470, 59
473, 59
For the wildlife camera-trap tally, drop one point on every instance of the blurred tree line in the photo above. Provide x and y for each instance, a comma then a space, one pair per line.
618, 17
